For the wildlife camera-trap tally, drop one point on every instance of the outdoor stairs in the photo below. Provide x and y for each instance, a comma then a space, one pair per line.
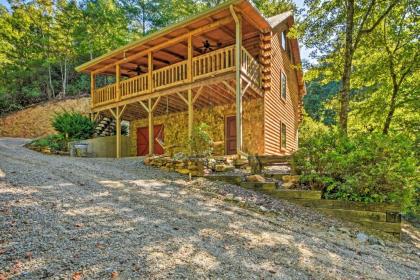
105, 127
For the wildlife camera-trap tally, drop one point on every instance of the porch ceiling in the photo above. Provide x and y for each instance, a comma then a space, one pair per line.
223, 35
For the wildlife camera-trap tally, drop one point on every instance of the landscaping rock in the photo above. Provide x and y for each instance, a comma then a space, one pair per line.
287, 185
291, 179
255, 178
362, 237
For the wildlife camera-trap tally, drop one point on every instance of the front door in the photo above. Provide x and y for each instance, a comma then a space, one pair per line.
230, 134
143, 140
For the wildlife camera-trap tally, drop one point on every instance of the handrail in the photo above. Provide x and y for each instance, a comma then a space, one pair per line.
213, 63
170, 75
251, 67
205, 65
134, 86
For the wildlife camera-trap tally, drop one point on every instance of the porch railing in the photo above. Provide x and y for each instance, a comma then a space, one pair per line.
203, 66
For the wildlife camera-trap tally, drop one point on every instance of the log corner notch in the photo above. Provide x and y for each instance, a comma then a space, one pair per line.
238, 77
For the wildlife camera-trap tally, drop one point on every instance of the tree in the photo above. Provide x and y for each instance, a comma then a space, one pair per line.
340, 26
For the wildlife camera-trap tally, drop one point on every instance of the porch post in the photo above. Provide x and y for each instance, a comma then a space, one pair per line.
238, 89
190, 57
190, 116
151, 134
150, 71
118, 131
117, 81
92, 88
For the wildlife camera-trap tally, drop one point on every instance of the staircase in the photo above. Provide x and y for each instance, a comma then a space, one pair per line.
105, 127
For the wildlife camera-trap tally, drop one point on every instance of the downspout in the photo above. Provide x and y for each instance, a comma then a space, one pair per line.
238, 60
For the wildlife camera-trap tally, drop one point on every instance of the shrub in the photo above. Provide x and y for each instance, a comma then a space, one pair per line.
56, 142
73, 125
367, 167
201, 142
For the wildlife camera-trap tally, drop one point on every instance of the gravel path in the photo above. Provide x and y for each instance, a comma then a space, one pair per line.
77, 218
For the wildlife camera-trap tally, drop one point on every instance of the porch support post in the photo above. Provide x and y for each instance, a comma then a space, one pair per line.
150, 71
190, 116
92, 88
190, 57
151, 134
238, 87
118, 131
117, 81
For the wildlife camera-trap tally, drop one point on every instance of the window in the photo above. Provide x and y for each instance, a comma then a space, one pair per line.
283, 136
283, 85
283, 40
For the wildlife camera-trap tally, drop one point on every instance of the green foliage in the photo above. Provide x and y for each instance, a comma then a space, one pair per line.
367, 167
55, 142
73, 125
201, 142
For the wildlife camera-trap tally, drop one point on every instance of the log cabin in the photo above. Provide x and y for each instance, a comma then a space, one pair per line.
228, 67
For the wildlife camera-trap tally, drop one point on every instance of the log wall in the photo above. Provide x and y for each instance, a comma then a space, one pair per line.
277, 109
176, 127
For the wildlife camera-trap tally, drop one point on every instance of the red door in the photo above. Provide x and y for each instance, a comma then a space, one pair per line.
143, 140
230, 133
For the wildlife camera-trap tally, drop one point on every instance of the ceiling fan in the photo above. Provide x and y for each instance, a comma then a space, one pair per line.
207, 47
137, 70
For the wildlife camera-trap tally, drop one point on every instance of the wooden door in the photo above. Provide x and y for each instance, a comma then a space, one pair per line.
143, 140
230, 135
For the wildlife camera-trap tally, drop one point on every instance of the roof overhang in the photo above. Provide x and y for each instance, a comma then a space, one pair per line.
248, 12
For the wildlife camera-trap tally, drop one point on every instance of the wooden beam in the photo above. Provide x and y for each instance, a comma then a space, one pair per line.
173, 54
156, 103
144, 106
182, 97
113, 113
150, 71
190, 117
117, 81
151, 136
92, 87
118, 131
190, 59
123, 109
199, 91
168, 43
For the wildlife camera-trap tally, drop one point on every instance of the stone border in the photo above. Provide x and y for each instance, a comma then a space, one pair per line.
377, 216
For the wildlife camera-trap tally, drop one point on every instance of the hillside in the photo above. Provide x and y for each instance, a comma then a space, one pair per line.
35, 121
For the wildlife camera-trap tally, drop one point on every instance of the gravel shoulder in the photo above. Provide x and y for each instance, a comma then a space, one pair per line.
80, 218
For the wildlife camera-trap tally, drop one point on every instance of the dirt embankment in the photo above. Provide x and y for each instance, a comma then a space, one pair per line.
35, 121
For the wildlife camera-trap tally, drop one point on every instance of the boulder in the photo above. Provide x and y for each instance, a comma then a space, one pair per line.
290, 179
255, 178
287, 185
223, 168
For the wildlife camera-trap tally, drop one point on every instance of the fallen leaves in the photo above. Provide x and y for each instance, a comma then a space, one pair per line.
17, 267
77, 276
114, 275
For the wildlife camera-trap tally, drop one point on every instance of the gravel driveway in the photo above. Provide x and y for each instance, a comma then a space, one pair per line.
79, 218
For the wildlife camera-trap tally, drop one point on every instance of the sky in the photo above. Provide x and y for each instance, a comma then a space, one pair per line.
304, 53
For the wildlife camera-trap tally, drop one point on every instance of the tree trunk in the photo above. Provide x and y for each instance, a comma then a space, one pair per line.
345, 78
391, 110
50, 82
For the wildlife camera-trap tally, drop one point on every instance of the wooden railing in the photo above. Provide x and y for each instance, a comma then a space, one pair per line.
170, 75
213, 63
251, 67
105, 94
203, 66
134, 86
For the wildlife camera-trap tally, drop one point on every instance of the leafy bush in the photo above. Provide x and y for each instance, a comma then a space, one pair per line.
73, 125
201, 142
56, 142
367, 167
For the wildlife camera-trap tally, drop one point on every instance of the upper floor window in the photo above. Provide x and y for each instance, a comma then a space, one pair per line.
283, 86
283, 40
